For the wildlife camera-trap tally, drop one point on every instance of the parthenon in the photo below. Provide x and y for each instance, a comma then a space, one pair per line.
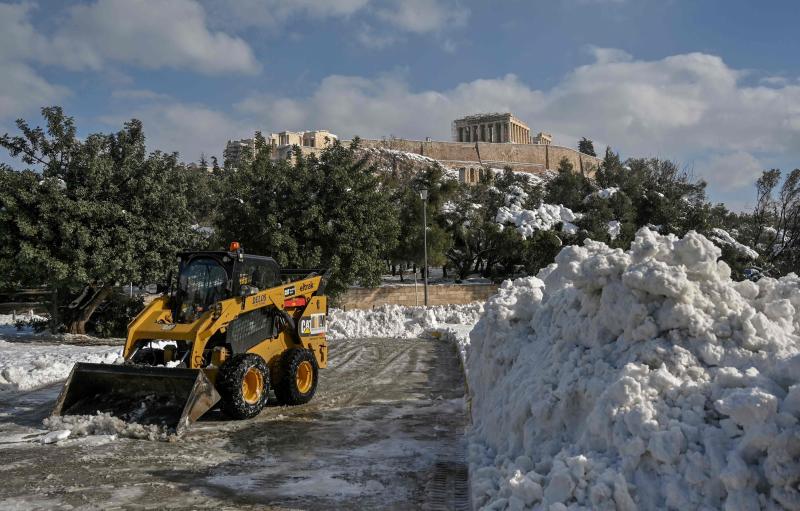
497, 127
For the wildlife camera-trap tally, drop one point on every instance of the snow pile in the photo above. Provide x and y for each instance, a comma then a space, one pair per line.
614, 228
645, 379
12, 319
724, 239
25, 366
397, 321
65, 426
545, 217
605, 193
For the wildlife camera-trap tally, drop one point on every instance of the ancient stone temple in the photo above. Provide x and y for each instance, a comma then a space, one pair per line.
497, 127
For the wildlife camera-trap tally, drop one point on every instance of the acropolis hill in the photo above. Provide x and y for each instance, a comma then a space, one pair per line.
494, 140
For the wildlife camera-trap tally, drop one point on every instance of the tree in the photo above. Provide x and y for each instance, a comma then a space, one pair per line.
331, 211
91, 214
568, 188
409, 247
775, 222
471, 231
586, 146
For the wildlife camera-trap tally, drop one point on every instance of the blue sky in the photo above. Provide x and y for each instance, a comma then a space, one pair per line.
712, 84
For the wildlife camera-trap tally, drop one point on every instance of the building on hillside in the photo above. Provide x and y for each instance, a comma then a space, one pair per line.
318, 138
238, 150
199, 167
281, 145
543, 138
471, 175
496, 127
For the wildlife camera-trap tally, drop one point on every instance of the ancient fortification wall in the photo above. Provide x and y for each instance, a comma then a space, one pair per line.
529, 157
439, 294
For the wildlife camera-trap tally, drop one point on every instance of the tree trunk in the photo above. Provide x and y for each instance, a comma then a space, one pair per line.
54, 312
444, 271
78, 325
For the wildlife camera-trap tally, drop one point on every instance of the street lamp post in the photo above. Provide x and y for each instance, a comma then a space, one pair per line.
423, 193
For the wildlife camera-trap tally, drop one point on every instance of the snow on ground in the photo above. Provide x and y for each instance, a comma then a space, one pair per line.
645, 379
398, 321
26, 366
723, 238
100, 424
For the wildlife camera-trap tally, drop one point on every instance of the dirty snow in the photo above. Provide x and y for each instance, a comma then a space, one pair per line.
645, 379
101, 424
723, 238
26, 366
397, 321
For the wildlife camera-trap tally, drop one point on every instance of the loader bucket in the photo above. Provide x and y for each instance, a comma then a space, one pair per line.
164, 396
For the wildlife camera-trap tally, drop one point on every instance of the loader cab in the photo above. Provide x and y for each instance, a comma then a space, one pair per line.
205, 278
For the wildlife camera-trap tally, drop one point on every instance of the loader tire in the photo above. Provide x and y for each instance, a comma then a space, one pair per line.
243, 385
299, 373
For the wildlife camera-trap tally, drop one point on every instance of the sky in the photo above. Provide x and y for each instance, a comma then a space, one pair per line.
713, 84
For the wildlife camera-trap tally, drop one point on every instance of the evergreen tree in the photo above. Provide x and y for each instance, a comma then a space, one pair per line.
331, 211
586, 146
568, 188
92, 214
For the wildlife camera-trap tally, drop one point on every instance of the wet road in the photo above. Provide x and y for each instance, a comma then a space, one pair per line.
385, 431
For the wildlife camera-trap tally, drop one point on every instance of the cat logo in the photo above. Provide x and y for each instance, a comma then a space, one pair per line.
288, 291
312, 325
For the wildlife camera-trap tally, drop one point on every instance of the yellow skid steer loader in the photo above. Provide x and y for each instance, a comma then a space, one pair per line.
234, 326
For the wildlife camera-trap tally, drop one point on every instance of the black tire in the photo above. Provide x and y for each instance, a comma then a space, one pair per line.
234, 388
287, 389
149, 357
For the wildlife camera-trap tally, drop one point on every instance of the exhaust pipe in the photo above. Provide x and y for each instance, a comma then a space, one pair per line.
168, 397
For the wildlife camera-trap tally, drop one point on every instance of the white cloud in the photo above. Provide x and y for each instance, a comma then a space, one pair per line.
731, 171
139, 94
21, 86
238, 14
144, 33
149, 34
423, 16
379, 22
22, 89
189, 129
373, 108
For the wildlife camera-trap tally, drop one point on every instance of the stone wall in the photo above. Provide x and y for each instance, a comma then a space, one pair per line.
439, 294
528, 157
